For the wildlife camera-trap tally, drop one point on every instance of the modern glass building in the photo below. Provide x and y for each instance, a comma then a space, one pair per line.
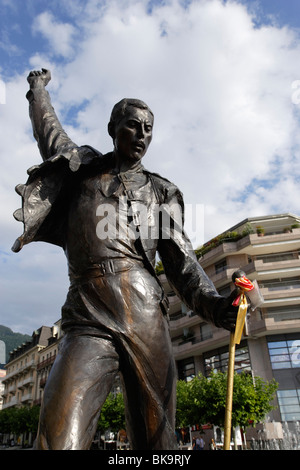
267, 249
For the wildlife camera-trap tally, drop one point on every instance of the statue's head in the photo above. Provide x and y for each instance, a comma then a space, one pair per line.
130, 127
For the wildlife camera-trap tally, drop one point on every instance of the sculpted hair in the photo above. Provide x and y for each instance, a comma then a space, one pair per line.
120, 109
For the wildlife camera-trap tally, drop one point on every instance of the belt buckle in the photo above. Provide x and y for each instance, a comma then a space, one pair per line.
111, 266
103, 268
107, 267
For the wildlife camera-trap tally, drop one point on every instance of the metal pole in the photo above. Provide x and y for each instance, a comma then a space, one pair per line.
229, 395
244, 284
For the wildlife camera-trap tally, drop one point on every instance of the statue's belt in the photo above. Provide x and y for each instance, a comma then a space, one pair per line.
114, 266
105, 267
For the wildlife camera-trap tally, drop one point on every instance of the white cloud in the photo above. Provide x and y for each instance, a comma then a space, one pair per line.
226, 126
60, 35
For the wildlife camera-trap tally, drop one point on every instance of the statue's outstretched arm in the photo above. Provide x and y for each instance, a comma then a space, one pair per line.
47, 130
184, 272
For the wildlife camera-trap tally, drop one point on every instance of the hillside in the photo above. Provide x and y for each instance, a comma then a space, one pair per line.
11, 340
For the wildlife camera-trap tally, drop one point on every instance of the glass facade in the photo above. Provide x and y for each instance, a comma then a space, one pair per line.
218, 360
186, 369
289, 403
284, 353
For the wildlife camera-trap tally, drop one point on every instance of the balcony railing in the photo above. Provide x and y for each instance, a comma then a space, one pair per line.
284, 284
46, 362
12, 402
280, 314
195, 339
237, 243
27, 381
20, 370
12, 388
27, 397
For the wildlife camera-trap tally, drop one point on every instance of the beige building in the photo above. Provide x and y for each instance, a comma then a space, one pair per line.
2, 377
29, 366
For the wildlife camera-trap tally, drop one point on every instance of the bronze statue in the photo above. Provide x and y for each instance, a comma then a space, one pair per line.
107, 212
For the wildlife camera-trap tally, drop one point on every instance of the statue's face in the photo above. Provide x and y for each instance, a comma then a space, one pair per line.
133, 134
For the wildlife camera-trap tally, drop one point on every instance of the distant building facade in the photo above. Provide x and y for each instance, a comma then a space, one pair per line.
29, 366
267, 249
2, 386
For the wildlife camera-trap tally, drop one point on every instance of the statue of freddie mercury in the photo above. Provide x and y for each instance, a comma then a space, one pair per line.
114, 318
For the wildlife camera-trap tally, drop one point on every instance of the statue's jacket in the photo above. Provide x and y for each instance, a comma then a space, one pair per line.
47, 200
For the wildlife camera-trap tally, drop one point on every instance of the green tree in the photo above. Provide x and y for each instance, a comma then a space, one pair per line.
31, 418
6, 420
112, 414
19, 420
12, 420
202, 400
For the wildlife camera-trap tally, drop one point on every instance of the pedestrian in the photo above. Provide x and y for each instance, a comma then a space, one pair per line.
212, 445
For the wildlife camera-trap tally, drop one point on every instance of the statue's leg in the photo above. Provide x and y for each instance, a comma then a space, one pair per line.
80, 380
146, 363
149, 385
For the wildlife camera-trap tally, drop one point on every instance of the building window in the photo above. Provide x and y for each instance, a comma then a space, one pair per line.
217, 360
219, 267
289, 312
225, 291
289, 404
186, 369
284, 354
205, 331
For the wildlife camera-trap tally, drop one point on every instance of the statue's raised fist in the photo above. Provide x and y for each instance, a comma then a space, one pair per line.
39, 77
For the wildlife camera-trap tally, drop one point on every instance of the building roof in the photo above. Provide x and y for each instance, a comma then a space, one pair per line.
269, 220
39, 337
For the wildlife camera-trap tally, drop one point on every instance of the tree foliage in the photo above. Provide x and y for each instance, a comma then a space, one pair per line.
19, 420
202, 400
112, 414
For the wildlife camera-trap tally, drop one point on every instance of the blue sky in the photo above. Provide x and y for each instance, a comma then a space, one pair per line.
284, 12
18, 41
222, 78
